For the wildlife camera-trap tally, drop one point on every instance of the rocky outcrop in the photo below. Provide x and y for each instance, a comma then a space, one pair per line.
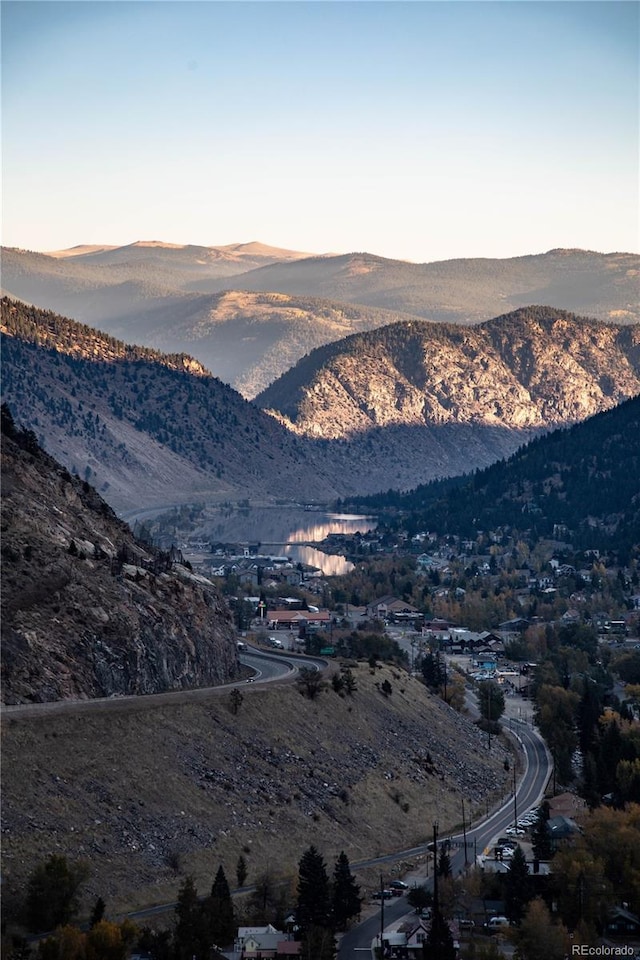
87, 611
531, 370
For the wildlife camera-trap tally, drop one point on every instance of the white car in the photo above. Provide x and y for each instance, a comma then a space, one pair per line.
497, 923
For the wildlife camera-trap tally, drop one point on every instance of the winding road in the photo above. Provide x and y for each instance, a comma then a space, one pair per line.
356, 943
267, 668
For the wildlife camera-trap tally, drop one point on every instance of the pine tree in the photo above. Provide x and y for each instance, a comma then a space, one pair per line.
219, 913
518, 890
318, 943
97, 913
346, 893
444, 863
439, 942
190, 936
241, 871
314, 901
541, 838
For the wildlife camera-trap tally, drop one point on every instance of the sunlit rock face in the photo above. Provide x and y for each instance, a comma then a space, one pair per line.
535, 369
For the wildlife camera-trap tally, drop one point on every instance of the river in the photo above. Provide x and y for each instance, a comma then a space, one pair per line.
286, 531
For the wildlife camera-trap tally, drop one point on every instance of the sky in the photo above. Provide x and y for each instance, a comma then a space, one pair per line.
413, 130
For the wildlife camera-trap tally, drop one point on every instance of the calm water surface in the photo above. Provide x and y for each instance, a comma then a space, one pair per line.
285, 530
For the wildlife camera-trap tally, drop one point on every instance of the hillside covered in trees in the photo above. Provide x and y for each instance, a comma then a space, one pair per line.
580, 483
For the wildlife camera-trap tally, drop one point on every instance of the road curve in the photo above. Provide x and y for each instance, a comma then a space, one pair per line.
529, 792
267, 667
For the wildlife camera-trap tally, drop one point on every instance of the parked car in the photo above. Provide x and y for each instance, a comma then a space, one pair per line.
398, 885
496, 923
466, 924
382, 895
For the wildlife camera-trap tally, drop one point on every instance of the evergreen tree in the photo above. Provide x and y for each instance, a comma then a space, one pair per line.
589, 709
518, 891
241, 871
52, 893
191, 936
318, 943
346, 893
439, 942
491, 701
541, 838
219, 913
97, 913
444, 863
314, 900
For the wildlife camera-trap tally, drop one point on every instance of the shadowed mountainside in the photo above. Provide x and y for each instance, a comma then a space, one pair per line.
88, 611
144, 427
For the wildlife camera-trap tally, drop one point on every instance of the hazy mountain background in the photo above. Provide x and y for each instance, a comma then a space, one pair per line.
248, 312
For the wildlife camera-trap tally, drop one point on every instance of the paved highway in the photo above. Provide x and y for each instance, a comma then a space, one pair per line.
356, 944
267, 667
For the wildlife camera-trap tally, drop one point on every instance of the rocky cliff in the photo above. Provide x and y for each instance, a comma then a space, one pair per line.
88, 611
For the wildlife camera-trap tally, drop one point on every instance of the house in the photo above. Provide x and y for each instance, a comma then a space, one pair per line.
391, 606
266, 943
486, 662
561, 829
519, 625
621, 922
294, 619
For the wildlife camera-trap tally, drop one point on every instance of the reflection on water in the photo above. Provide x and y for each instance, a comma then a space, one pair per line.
283, 530
332, 565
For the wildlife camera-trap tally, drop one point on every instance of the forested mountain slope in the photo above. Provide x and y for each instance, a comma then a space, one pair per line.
580, 484
144, 427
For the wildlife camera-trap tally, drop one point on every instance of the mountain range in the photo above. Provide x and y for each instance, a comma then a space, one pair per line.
248, 312
532, 369
393, 407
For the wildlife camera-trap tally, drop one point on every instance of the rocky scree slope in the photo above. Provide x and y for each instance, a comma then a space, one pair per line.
87, 611
158, 793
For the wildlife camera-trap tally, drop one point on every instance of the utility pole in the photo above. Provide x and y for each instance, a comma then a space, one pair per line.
381, 916
515, 798
436, 905
464, 834
489, 714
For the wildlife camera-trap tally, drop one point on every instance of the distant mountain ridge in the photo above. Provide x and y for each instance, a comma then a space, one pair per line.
249, 312
394, 407
467, 290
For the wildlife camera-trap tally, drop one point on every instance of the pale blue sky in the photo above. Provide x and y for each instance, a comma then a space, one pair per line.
418, 130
